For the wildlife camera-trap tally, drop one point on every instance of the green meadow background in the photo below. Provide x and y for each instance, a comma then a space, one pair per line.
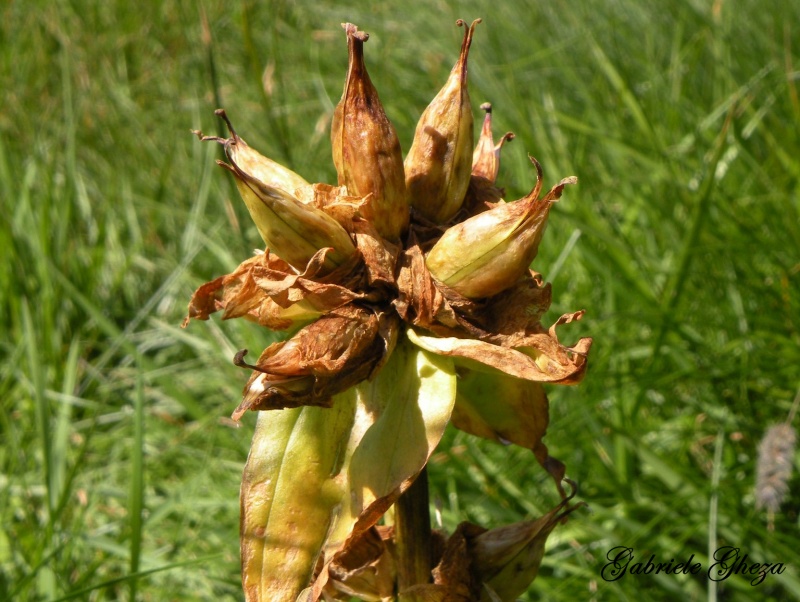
119, 472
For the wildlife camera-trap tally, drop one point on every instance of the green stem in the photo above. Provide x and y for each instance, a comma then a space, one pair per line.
413, 534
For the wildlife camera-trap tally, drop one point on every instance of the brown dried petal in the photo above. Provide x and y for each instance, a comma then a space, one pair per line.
269, 291
419, 301
454, 571
364, 567
520, 308
239, 296
286, 289
379, 255
544, 361
326, 357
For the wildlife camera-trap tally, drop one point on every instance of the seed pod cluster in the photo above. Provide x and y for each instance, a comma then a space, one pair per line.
405, 290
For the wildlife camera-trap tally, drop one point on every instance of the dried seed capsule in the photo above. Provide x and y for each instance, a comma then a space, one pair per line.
489, 252
366, 150
439, 162
291, 230
507, 559
254, 163
486, 157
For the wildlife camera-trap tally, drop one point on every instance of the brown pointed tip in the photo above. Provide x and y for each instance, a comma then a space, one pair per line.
203, 138
539, 175
224, 116
227, 166
237, 415
507, 137
465, 44
353, 32
238, 360
487, 127
555, 192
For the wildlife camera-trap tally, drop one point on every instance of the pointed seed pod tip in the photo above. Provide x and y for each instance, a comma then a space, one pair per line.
365, 146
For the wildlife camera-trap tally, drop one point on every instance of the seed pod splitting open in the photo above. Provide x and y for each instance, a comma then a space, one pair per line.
439, 162
254, 163
292, 230
489, 252
366, 150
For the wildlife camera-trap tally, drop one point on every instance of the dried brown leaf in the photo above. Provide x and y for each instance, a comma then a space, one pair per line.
365, 567
419, 300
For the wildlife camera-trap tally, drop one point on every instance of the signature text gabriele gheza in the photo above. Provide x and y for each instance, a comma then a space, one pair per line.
725, 562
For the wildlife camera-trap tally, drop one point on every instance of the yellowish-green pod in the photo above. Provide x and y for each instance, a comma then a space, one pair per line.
292, 230
488, 253
254, 163
439, 163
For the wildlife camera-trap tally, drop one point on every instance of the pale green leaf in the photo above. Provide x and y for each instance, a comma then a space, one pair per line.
316, 474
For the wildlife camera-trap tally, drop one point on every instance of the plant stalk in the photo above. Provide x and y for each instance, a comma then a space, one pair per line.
412, 523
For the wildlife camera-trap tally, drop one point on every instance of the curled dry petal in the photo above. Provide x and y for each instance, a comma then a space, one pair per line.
546, 362
366, 150
365, 567
439, 161
267, 290
238, 295
519, 309
324, 293
489, 252
419, 301
379, 255
326, 357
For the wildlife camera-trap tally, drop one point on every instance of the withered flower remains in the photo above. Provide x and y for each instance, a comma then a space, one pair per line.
408, 289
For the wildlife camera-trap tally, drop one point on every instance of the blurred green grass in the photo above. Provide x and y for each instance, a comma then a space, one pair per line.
118, 476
